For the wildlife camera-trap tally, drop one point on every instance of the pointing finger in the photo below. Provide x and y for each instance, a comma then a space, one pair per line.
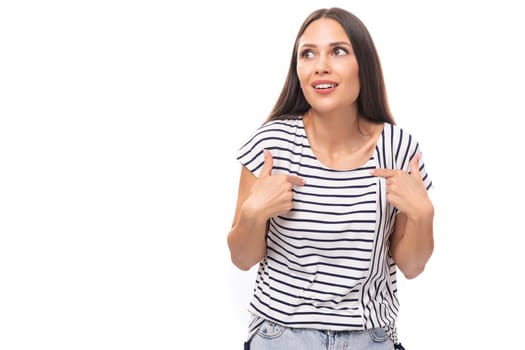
296, 180
383, 172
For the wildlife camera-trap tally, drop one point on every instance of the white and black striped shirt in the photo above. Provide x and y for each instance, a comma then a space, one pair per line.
327, 264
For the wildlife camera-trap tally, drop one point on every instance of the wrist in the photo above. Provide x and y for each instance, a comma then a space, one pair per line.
252, 215
422, 213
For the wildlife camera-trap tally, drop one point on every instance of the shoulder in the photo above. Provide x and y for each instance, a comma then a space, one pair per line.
399, 135
275, 129
272, 135
394, 131
289, 125
398, 148
400, 144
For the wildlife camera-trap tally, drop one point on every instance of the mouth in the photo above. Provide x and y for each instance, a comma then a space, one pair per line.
325, 86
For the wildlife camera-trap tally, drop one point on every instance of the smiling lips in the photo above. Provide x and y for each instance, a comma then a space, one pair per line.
324, 86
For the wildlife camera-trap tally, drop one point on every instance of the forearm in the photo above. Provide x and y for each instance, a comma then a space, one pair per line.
247, 241
413, 245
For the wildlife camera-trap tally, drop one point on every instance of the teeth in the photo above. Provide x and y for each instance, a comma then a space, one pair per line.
325, 86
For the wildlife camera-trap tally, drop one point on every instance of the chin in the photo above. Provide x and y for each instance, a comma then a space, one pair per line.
325, 109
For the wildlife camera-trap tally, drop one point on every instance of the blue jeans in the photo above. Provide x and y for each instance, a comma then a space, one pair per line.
271, 336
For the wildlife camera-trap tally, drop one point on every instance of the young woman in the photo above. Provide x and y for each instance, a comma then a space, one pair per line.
332, 199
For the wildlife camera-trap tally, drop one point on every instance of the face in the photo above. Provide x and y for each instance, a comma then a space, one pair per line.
327, 67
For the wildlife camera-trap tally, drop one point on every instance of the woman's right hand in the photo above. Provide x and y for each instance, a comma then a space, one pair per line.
258, 200
271, 194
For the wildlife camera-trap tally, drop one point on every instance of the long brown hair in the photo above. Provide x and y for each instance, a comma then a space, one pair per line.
372, 101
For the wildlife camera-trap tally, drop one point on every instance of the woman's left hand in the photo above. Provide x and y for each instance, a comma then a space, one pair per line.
406, 190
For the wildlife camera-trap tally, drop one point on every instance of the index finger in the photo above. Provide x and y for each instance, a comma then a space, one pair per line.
295, 180
383, 172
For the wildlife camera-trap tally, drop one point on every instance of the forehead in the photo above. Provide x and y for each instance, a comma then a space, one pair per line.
323, 30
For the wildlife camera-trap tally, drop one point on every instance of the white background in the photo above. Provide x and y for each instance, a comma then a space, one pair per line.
119, 125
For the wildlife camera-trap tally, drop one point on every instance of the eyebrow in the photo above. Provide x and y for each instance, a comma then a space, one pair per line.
336, 43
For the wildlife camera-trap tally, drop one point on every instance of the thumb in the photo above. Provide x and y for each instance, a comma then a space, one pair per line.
414, 165
266, 169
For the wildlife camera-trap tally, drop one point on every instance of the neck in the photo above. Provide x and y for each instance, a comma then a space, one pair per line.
337, 131
341, 141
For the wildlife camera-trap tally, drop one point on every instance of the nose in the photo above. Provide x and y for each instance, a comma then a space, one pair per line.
323, 64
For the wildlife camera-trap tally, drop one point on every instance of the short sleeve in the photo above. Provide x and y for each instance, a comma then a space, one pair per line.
251, 153
413, 148
424, 174
398, 149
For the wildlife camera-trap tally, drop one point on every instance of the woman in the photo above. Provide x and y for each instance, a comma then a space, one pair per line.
332, 199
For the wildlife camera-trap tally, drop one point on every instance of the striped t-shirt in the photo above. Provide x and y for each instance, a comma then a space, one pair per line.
327, 264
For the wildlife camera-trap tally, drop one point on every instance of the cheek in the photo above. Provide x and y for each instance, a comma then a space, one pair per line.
301, 73
356, 82
352, 78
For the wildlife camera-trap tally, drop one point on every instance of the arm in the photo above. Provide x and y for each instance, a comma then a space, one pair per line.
258, 200
247, 237
412, 241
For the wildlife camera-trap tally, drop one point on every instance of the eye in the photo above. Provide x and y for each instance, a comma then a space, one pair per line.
307, 53
339, 51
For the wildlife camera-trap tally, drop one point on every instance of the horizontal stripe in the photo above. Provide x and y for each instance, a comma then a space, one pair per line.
327, 264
